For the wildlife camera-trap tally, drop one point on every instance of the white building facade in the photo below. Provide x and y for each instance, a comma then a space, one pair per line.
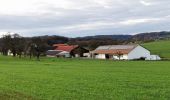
123, 52
139, 52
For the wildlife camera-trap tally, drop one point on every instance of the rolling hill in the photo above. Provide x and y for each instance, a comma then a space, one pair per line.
161, 48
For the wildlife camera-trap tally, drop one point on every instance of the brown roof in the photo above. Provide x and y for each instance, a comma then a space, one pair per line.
114, 49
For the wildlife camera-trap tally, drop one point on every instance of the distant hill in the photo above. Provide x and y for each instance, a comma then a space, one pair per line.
100, 37
138, 37
151, 36
161, 48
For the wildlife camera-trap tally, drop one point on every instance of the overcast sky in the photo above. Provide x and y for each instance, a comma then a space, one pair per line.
75, 18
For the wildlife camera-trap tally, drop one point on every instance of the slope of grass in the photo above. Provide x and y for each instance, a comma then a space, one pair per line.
65, 79
161, 48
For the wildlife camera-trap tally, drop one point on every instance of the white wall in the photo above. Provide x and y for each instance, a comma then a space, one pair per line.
50, 56
65, 54
123, 57
100, 56
139, 52
88, 55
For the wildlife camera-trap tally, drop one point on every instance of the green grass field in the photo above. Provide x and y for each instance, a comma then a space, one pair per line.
161, 48
65, 79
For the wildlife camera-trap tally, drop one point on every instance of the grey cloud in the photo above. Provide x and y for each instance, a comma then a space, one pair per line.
91, 19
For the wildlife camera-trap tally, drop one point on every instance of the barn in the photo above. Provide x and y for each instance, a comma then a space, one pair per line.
121, 52
64, 50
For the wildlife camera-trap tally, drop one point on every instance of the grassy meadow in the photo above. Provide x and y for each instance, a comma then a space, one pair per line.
77, 79
161, 48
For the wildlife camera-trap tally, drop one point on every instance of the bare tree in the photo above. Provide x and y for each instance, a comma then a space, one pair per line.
119, 54
38, 47
17, 45
6, 44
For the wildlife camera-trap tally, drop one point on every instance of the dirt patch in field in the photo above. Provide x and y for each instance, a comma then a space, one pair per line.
15, 96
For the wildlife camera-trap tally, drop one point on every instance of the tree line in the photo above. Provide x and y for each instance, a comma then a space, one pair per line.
18, 46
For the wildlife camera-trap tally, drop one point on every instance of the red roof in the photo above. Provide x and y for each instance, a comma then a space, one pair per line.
66, 48
56, 45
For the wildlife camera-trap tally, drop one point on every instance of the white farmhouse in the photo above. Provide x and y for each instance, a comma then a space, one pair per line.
121, 52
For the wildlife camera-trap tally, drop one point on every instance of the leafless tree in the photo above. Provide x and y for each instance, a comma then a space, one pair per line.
119, 54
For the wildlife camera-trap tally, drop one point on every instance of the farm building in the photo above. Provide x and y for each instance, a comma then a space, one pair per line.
155, 57
64, 50
122, 52
57, 53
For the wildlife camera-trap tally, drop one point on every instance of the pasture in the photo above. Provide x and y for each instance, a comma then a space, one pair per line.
77, 79
161, 48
